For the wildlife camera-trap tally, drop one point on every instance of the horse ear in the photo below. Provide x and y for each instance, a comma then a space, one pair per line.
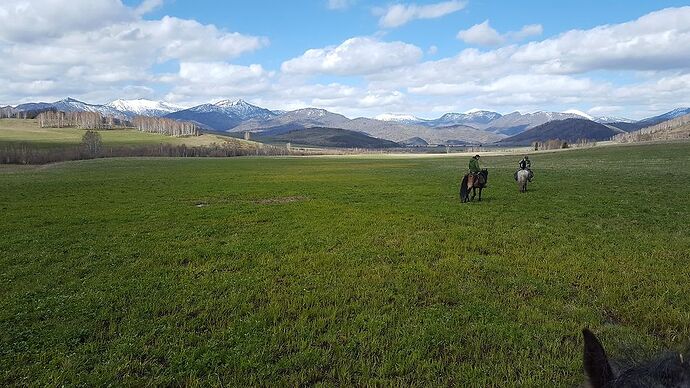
596, 362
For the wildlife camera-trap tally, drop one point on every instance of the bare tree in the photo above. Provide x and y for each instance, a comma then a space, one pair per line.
91, 142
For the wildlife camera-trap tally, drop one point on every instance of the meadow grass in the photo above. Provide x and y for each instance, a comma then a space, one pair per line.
17, 131
339, 271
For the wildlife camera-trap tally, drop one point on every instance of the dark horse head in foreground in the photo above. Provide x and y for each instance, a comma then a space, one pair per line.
473, 182
666, 370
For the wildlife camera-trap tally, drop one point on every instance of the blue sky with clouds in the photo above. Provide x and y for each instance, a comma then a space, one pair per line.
356, 57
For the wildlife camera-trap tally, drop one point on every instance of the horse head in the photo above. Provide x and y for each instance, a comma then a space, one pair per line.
667, 370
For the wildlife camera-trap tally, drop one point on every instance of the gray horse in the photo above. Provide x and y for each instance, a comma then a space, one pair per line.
522, 179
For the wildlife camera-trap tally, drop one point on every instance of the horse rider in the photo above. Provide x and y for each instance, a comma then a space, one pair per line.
474, 165
474, 168
525, 164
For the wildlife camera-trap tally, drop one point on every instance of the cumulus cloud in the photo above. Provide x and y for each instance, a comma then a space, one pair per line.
657, 41
355, 56
399, 14
484, 35
101, 45
27, 21
199, 82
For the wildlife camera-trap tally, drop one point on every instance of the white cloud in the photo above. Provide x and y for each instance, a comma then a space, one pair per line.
28, 21
484, 35
199, 82
399, 14
481, 34
657, 41
355, 56
101, 46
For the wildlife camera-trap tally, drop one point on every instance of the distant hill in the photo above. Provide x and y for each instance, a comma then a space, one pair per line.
389, 130
570, 130
71, 105
326, 137
677, 128
415, 142
223, 115
516, 122
651, 121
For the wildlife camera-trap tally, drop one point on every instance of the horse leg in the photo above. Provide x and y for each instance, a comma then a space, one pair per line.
474, 193
480, 194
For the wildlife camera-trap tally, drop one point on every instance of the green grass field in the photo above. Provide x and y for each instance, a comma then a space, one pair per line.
339, 271
16, 131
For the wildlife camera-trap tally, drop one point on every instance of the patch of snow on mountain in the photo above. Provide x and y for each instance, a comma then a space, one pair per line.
396, 117
579, 113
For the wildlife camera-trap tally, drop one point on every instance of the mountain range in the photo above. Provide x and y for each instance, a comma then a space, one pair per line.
142, 107
570, 130
473, 127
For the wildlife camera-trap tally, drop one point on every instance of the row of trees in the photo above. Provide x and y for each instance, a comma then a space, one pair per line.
92, 147
553, 144
95, 120
677, 128
7, 112
165, 126
82, 120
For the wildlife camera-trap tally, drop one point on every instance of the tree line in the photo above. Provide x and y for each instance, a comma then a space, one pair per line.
91, 147
165, 126
95, 120
81, 120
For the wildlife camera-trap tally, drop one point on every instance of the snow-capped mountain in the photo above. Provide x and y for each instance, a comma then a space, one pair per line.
599, 119
667, 116
222, 115
72, 105
399, 118
143, 107
390, 130
613, 119
516, 122
475, 118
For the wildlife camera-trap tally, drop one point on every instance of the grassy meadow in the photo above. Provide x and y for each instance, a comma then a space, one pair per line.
17, 131
339, 271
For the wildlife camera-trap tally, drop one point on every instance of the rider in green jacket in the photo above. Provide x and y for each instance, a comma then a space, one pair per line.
474, 165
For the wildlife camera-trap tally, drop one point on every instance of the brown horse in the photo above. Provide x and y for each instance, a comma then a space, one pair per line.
473, 182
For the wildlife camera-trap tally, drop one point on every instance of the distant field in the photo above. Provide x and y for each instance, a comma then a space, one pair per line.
13, 131
339, 271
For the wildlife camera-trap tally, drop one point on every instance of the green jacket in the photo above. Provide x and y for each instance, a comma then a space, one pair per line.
474, 166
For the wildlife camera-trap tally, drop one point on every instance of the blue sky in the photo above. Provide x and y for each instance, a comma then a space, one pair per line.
366, 58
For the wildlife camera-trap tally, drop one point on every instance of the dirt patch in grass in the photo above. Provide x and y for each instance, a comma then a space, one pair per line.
276, 200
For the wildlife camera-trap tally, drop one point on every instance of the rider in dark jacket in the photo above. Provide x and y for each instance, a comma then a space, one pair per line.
525, 164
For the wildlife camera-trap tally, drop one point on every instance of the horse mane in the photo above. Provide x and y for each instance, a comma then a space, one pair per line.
463, 187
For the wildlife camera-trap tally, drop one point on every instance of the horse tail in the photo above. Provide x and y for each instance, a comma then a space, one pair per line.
463, 188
